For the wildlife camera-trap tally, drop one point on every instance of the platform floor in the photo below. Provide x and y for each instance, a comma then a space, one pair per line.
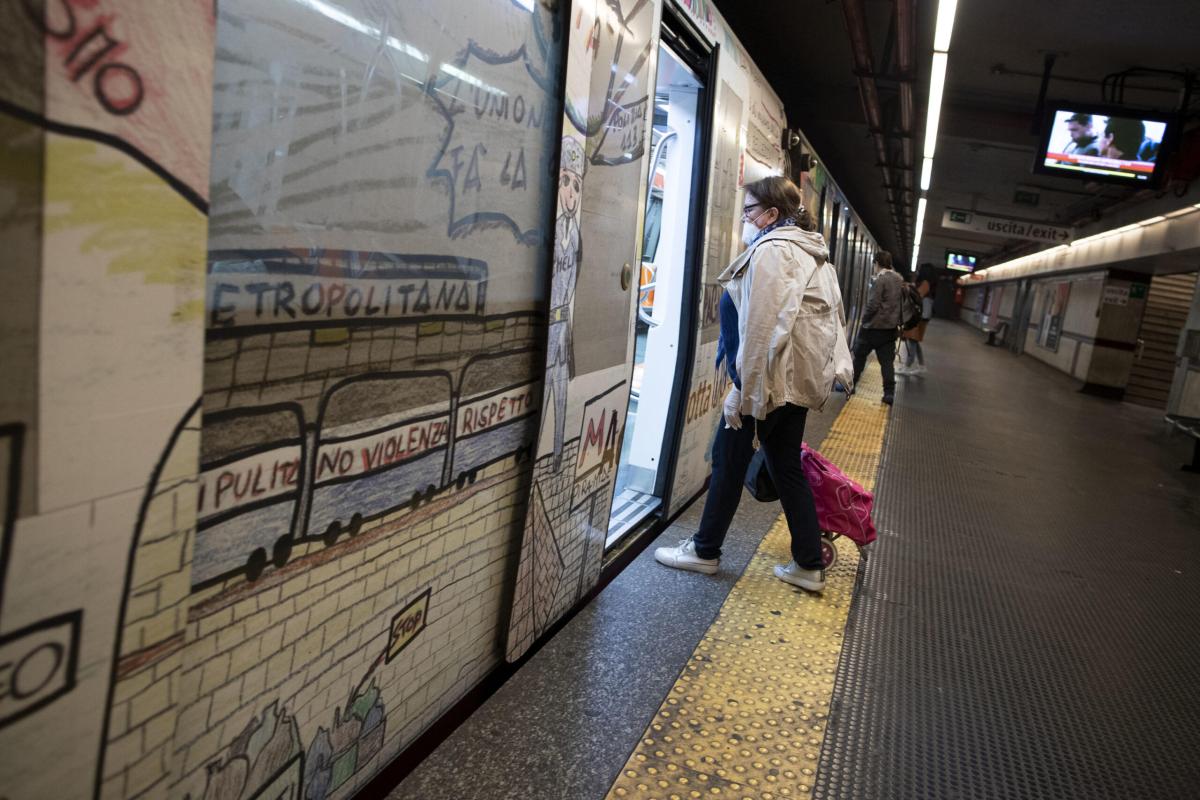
1029, 623
1026, 627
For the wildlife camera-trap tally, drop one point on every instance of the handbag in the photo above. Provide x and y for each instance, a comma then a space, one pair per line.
843, 506
758, 479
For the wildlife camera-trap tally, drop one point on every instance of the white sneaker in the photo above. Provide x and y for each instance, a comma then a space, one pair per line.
918, 370
904, 369
684, 557
811, 579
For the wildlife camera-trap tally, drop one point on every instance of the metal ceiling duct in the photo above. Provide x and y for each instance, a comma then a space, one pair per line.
896, 186
906, 40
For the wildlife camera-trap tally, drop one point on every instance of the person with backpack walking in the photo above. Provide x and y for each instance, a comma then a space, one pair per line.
924, 286
881, 324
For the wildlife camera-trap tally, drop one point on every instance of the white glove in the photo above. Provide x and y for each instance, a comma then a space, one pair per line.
733, 409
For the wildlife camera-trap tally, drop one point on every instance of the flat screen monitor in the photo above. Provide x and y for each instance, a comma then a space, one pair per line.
1103, 144
963, 262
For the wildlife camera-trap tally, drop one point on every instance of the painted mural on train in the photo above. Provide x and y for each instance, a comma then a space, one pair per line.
104, 121
372, 384
348, 449
318, 317
601, 168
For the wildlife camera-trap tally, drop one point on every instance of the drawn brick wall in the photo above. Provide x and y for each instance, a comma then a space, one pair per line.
562, 549
306, 636
146, 692
570, 529
301, 639
545, 556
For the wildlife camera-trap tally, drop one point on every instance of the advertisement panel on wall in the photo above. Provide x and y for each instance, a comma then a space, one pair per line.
1054, 307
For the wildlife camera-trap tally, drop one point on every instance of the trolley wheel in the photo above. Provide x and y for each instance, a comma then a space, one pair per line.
282, 551
256, 564
332, 533
355, 525
829, 551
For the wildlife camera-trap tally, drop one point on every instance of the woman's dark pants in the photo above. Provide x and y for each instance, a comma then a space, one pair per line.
780, 435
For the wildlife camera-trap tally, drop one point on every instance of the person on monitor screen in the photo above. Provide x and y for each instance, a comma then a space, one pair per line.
1122, 138
781, 332
1083, 138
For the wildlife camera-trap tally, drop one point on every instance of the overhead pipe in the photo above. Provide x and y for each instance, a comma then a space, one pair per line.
906, 42
864, 70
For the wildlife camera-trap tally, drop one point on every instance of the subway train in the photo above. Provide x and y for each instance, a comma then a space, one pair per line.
404, 327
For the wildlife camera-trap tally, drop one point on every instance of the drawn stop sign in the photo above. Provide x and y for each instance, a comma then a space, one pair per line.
407, 624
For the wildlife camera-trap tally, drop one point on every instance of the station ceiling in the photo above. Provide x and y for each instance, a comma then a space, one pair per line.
987, 140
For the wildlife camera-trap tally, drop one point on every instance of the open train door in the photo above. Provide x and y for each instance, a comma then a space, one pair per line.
611, 49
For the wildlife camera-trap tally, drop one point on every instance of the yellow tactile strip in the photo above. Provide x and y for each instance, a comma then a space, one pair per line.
747, 716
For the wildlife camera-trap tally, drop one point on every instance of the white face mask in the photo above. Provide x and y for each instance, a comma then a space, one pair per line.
749, 231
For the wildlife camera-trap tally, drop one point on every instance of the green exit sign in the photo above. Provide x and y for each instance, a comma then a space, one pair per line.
1023, 198
960, 216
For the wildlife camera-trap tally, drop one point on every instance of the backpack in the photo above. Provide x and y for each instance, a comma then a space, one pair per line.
910, 307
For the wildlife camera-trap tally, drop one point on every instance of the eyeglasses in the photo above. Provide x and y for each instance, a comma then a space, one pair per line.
746, 210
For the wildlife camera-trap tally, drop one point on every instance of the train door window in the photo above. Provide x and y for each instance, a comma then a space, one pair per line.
833, 231
863, 290
852, 252
845, 273
850, 286
848, 269
667, 276
821, 211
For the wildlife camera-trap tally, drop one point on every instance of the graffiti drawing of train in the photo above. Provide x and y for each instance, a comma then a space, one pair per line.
249, 495
492, 419
382, 442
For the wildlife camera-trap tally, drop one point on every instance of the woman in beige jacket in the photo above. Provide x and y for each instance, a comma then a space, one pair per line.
783, 343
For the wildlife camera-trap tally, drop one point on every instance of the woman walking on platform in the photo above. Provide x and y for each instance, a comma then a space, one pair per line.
913, 338
781, 325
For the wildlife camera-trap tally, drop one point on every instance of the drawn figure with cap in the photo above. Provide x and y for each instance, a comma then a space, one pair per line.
567, 247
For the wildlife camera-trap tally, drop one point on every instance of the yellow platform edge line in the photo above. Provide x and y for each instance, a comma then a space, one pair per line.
747, 715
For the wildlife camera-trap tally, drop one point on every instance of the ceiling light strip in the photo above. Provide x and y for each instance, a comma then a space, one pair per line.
945, 25
926, 174
943, 31
937, 86
1095, 237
